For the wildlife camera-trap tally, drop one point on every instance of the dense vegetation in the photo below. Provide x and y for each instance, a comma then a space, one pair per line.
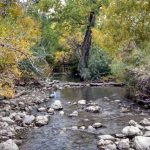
96, 39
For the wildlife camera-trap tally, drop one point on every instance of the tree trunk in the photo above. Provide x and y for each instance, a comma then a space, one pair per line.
85, 48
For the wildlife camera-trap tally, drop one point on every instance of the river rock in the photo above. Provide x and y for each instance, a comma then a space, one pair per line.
74, 127
50, 110
8, 120
147, 128
142, 143
82, 127
41, 109
111, 147
147, 133
97, 125
90, 128
124, 144
57, 105
135, 124
93, 109
74, 114
61, 113
106, 145
131, 131
145, 122
28, 119
82, 102
106, 137
41, 120
8, 145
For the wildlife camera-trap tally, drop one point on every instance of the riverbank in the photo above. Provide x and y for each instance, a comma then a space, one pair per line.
35, 109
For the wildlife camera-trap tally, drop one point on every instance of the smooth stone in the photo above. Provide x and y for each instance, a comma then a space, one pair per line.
135, 124
93, 109
8, 120
117, 101
120, 135
41, 120
73, 114
97, 125
111, 147
147, 128
106, 137
145, 122
8, 145
141, 143
28, 119
74, 127
82, 102
61, 113
50, 110
57, 105
41, 109
131, 131
124, 144
147, 133
91, 128
82, 127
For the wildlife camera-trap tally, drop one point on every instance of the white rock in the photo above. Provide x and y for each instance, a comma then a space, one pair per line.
90, 128
28, 119
61, 113
145, 122
135, 124
74, 114
74, 127
8, 120
97, 125
94, 109
142, 143
106, 137
111, 147
82, 102
50, 110
42, 120
8, 145
147, 128
82, 127
147, 133
57, 105
131, 131
124, 144
41, 109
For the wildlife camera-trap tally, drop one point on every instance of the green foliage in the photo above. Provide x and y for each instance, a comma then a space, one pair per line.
99, 63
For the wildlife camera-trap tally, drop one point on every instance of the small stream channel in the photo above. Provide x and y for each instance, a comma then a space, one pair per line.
57, 134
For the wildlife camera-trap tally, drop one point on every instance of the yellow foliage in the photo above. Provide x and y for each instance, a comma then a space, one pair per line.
62, 56
18, 33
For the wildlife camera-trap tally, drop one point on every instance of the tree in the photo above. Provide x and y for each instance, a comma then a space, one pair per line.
19, 32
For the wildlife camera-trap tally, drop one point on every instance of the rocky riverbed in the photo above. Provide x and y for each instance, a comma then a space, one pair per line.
88, 117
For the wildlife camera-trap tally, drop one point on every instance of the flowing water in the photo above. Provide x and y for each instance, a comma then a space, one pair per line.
57, 135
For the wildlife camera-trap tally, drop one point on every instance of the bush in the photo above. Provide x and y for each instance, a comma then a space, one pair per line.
99, 63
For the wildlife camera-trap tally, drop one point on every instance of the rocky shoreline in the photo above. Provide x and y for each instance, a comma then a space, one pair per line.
16, 118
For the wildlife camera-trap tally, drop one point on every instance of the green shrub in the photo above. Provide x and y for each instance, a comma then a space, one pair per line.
99, 63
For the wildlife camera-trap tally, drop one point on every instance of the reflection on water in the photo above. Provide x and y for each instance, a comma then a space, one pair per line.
54, 136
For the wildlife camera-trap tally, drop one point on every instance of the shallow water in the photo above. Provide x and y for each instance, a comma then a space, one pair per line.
57, 135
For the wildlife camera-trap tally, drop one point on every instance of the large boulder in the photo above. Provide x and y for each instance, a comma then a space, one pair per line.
131, 131
8, 145
57, 105
142, 143
41, 120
